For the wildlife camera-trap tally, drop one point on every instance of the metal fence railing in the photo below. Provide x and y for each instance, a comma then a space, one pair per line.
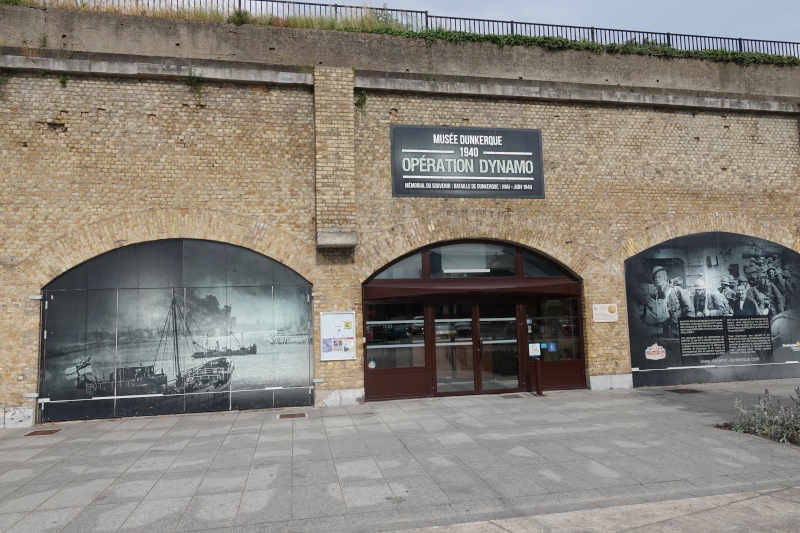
336, 15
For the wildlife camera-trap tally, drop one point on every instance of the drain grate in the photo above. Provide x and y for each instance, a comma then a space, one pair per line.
684, 391
292, 415
511, 396
40, 432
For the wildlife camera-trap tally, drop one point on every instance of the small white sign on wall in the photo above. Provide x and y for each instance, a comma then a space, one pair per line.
605, 313
337, 336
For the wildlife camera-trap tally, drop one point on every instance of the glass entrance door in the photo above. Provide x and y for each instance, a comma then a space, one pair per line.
498, 351
476, 348
455, 350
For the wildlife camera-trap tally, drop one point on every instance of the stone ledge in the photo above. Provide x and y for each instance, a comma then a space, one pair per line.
125, 69
571, 93
338, 239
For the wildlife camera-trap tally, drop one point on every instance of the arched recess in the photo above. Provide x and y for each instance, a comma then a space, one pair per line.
713, 306
173, 326
74, 247
471, 316
665, 229
381, 248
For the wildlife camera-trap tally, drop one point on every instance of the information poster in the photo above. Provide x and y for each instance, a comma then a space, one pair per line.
338, 336
713, 307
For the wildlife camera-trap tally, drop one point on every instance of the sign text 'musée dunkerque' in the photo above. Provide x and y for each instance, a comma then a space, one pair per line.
466, 162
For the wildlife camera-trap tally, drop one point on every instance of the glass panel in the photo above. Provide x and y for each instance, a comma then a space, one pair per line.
246, 268
161, 264
408, 268
395, 336
149, 320
115, 270
534, 265
64, 366
499, 358
454, 350
553, 327
291, 341
471, 260
204, 263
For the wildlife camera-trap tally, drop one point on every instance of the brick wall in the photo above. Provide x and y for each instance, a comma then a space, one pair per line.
102, 162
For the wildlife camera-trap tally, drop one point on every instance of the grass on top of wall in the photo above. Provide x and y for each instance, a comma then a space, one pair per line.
382, 22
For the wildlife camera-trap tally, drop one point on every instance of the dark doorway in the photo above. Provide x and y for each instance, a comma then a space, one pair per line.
461, 318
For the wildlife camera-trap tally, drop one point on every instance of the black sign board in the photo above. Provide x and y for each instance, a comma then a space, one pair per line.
466, 162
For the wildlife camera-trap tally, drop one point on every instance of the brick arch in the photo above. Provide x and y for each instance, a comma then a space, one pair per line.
380, 248
84, 243
657, 232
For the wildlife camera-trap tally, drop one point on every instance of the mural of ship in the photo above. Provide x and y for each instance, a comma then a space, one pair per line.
147, 379
288, 336
207, 351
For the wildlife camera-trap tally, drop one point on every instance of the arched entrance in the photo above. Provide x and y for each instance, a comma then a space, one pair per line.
471, 317
174, 326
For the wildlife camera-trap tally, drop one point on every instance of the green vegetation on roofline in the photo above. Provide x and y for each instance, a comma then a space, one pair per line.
383, 23
644, 48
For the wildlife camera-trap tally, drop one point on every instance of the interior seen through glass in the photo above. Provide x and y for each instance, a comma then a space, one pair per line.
464, 359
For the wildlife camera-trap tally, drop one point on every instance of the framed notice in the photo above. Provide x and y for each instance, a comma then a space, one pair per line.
338, 336
605, 313
466, 162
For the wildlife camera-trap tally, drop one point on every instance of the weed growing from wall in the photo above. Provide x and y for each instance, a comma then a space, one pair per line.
62, 80
195, 84
360, 99
5, 75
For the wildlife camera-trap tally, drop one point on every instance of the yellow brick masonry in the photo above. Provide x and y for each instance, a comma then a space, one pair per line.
105, 162
335, 170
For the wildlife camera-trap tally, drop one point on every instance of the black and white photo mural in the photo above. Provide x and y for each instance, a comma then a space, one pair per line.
713, 307
174, 326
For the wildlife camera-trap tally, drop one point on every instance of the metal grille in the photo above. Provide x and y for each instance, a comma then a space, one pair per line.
42, 432
331, 16
292, 415
684, 391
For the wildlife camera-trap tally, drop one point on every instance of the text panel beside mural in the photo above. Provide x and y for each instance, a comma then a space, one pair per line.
713, 307
216, 345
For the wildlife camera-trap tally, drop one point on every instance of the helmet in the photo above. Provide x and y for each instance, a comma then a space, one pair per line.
699, 284
656, 269
725, 280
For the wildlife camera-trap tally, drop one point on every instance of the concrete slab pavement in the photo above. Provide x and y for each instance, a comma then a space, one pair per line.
605, 458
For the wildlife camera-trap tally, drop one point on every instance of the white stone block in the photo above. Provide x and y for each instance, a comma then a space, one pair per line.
339, 398
18, 417
599, 382
622, 381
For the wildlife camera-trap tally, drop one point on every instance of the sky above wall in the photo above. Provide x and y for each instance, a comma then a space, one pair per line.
777, 20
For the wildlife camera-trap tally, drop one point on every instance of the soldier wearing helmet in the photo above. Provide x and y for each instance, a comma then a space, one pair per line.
726, 289
775, 275
774, 298
709, 302
666, 303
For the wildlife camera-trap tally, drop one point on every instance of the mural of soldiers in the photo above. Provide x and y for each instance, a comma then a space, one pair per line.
751, 281
775, 276
772, 293
744, 305
726, 288
709, 302
666, 304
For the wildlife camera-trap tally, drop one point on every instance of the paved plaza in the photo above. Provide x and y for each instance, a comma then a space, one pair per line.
584, 460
